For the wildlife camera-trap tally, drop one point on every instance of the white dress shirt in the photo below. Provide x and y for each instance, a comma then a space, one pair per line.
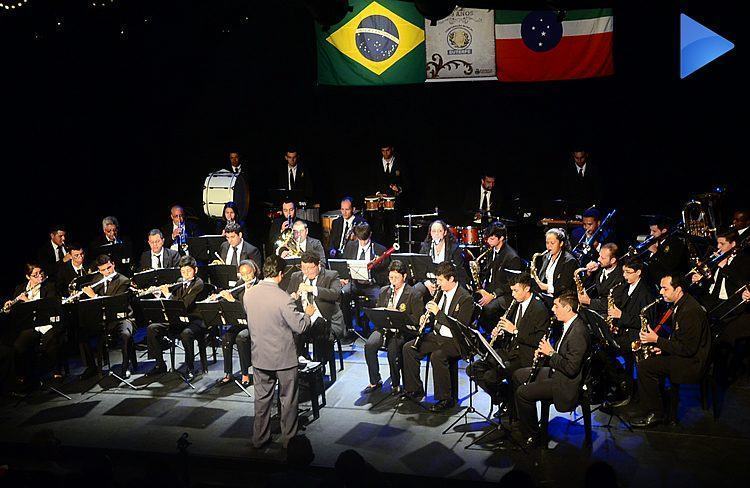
388, 164
230, 252
566, 327
445, 304
482, 198
314, 283
549, 273
344, 230
54, 249
437, 257
632, 287
581, 169
157, 260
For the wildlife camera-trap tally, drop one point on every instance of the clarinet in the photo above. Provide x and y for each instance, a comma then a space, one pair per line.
426, 318
536, 365
501, 332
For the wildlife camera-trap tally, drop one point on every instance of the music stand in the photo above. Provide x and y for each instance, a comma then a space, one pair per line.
170, 312
420, 266
222, 276
120, 252
203, 248
155, 277
292, 264
96, 313
341, 266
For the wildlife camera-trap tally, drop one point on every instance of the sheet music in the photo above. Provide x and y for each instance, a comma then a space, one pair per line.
487, 346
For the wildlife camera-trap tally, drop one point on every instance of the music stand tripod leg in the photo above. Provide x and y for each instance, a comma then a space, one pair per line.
46, 386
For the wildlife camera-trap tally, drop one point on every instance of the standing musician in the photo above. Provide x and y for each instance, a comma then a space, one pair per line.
581, 182
363, 249
455, 302
30, 341
681, 356
236, 249
304, 242
294, 176
72, 270
524, 328
188, 292
560, 381
556, 273
55, 252
178, 230
273, 321
602, 276
235, 164
389, 178
110, 236
668, 254
397, 296
237, 334
319, 288
629, 299
118, 284
502, 263
441, 246
158, 256
485, 201
342, 230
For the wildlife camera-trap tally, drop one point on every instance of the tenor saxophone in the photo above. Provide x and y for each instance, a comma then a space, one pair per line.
641, 351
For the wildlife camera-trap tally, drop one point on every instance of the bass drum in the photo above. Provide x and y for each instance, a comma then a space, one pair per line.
224, 186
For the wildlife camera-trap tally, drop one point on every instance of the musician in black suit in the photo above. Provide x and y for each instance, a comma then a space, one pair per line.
516, 338
238, 334
342, 229
117, 284
314, 285
389, 177
397, 296
236, 166
30, 341
592, 221
629, 299
555, 275
668, 254
681, 357
363, 249
236, 249
110, 236
441, 246
501, 264
287, 219
54, 252
602, 277
72, 270
188, 291
178, 230
304, 242
581, 182
294, 176
484, 200
158, 256
741, 223
440, 344
560, 381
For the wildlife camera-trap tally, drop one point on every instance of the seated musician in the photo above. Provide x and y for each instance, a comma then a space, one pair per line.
236, 249
555, 275
72, 270
284, 222
363, 249
110, 236
188, 292
54, 253
592, 220
629, 299
158, 256
342, 230
502, 263
238, 334
516, 338
178, 230
602, 276
123, 329
668, 254
441, 246
560, 380
741, 223
681, 357
30, 341
304, 242
439, 343
397, 296
314, 287
230, 215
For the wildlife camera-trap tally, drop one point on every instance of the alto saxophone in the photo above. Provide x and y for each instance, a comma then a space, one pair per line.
611, 320
642, 351
532, 264
579, 284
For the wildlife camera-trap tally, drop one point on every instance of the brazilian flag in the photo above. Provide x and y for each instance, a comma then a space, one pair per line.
378, 43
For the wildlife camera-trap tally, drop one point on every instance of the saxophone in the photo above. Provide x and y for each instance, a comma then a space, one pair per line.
642, 351
579, 284
474, 268
610, 320
532, 264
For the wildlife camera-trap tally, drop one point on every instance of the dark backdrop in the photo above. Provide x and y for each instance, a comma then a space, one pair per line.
95, 124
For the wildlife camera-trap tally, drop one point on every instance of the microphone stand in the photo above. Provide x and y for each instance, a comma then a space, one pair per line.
411, 216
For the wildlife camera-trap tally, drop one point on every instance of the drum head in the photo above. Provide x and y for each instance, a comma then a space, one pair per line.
224, 186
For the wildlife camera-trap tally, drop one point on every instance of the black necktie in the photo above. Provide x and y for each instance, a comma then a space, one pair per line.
519, 314
310, 297
158, 262
60, 253
291, 179
346, 231
235, 257
80, 272
485, 202
362, 255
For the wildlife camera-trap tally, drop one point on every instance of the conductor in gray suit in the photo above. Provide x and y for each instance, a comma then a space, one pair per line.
273, 321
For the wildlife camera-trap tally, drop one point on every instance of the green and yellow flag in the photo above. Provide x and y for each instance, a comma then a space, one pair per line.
378, 43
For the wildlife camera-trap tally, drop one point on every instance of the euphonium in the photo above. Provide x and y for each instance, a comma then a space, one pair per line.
288, 242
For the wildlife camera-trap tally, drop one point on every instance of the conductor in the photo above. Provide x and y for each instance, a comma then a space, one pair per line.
273, 321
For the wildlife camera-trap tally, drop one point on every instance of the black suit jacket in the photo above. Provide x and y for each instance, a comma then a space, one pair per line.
454, 255
562, 279
191, 229
380, 272
303, 182
381, 181
670, 257
630, 321
409, 302
65, 275
170, 259
567, 364
47, 259
531, 328
689, 345
461, 309
248, 251
734, 275
504, 265
580, 193
473, 197
599, 290
47, 289
189, 296
329, 292
337, 228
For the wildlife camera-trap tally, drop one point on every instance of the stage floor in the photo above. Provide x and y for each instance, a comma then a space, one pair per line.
700, 451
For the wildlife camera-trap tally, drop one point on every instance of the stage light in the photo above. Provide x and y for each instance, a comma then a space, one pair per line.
328, 12
434, 10
13, 5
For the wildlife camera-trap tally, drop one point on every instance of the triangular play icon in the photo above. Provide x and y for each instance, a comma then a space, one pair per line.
699, 45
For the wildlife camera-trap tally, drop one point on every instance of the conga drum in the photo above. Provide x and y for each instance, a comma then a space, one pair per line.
372, 203
388, 203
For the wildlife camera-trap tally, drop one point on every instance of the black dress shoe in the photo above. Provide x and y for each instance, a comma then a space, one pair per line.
441, 405
246, 384
190, 375
414, 395
157, 370
88, 373
646, 420
396, 390
370, 388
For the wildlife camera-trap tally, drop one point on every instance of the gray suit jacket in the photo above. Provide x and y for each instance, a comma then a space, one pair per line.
314, 245
329, 291
272, 321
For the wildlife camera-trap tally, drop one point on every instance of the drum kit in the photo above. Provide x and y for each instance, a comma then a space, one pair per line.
467, 236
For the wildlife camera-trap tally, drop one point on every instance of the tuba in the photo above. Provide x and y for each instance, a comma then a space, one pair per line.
698, 219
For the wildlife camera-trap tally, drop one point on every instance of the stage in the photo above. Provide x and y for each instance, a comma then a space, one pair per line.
408, 442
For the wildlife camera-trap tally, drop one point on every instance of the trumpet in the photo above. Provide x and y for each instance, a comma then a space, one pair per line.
426, 319
77, 295
142, 292
500, 330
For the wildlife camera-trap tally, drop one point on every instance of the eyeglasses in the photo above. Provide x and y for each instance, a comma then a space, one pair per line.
37, 275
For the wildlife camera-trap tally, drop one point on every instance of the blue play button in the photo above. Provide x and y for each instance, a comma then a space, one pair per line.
699, 46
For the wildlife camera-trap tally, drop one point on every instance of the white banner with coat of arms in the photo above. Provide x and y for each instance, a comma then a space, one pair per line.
461, 46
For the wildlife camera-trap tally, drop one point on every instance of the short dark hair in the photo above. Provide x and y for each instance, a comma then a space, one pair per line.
29, 267
102, 259
569, 299
523, 279
233, 228
288, 200
613, 249
74, 246
155, 232
349, 199
488, 173
362, 231
593, 212
730, 235
660, 221
496, 229
677, 281
399, 266
291, 148
187, 261
446, 269
634, 263
273, 266
310, 257
53, 229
